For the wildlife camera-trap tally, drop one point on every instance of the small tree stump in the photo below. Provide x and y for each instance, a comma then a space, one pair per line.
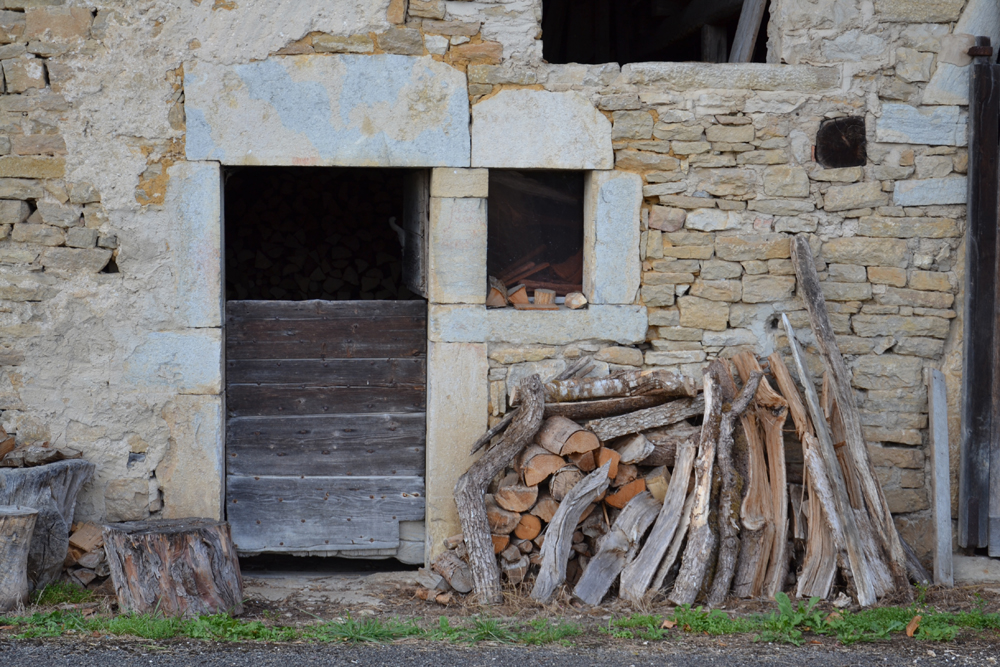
178, 567
16, 527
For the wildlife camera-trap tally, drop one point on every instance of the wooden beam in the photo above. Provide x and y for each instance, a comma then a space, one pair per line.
747, 30
940, 477
713, 43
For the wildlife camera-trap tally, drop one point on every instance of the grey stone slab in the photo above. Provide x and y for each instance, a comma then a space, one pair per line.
931, 192
538, 129
950, 82
611, 262
350, 110
934, 126
976, 570
475, 324
753, 76
940, 478
456, 252
184, 362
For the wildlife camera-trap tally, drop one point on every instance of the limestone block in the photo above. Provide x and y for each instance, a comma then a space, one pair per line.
902, 501
11, 26
918, 11
350, 110
631, 125
58, 214
193, 203
192, 469
765, 288
40, 234
934, 126
343, 44
896, 457
457, 323
908, 228
896, 325
666, 219
456, 253
717, 290
690, 147
786, 181
81, 237
916, 298
401, 41
918, 346
701, 313
664, 317
75, 260
846, 273
38, 144
126, 500
845, 175
753, 247
538, 129
13, 212
711, 220
930, 280
447, 182
622, 356
748, 76
32, 167
57, 24
846, 291
859, 195
611, 218
19, 188
24, 74
730, 133
457, 400
730, 337
656, 278
184, 362
887, 371
546, 370
427, 9
883, 275
931, 192
780, 206
866, 251
436, 44
913, 66
976, 570
675, 358
678, 333
625, 325
505, 354
715, 269
678, 131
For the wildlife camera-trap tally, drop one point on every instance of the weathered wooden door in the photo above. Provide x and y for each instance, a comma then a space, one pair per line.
325, 423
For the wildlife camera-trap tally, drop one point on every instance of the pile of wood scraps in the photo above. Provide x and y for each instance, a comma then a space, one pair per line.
498, 295
86, 561
640, 482
33, 454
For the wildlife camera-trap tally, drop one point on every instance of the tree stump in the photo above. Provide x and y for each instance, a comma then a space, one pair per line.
16, 527
178, 567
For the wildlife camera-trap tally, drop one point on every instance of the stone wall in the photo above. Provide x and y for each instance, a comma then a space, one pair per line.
114, 134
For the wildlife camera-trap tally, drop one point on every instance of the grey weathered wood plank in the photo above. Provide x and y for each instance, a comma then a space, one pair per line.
328, 372
250, 400
316, 339
940, 478
322, 310
642, 420
747, 30
321, 513
334, 445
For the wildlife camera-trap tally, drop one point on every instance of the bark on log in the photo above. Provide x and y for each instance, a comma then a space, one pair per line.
494, 431
644, 420
729, 499
536, 464
178, 568
563, 481
471, 488
622, 384
756, 515
559, 535
454, 570
674, 552
516, 498
563, 436
607, 407
665, 441
52, 490
617, 548
16, 527
878, 506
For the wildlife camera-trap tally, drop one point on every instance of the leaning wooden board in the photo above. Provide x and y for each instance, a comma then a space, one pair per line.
325, 423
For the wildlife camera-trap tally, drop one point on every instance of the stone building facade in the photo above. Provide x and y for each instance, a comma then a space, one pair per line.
120, 117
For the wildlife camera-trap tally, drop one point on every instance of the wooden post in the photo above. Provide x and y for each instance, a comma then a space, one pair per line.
940, 477
980, 296
16, 527
747, 30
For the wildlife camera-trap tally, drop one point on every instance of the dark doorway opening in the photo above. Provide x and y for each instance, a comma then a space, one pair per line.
298, 233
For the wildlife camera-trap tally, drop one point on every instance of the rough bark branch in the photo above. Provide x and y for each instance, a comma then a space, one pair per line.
16, 527
643, 420
623, 384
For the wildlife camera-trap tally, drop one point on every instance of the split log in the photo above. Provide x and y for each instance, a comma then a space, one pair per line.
500, 542
610, 428
575, 301
516, 498
544, 296
511, 553
665, 441
637, 574
657, 482
729, 499
471, 488
755, 515
635, 449
627, 473
626, 493
701, 540
606, 407
545, 508
563, 436
528, 527
605, 455
617, 548
496, 294
16, 527
516, 571
501, 521
585, 461
175, 567
518, 294
878, 506
841, 510
680, 535
454, 570
536, 464
563, 481
559, 535
622, 384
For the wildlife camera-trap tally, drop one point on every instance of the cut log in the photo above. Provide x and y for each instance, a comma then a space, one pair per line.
500, 542
454, 541
524, 546
584, 461
617, 548
7, 444
536, 464
626, 493
511, 553
665, 441
563, 436
610, 428
559, 535
563, 481
16, 527
174, 567
516, 571
516, 498
878, 506
657, 482
634, 449
518, 294
501, 521
729, 499
471, 487
86, 537
622, 384
637, 574
605, 455
528, 527
496, 294
545, 508
627, 473
454, 570
544, 296
605, 407
701, 540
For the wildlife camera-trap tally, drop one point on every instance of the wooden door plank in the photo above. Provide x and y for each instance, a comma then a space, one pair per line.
341, 445
980, 290
318, 339
250, 400
321, 513
323, 310
940, 477
329, 372
416, 215
747, 30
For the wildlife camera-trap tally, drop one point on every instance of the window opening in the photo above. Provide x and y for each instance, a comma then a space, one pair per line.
296, 233
535, 230
627, 31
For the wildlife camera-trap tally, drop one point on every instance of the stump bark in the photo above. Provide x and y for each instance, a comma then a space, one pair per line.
16, 527
178, 567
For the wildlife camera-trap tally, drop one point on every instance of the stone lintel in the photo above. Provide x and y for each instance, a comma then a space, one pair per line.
472, 324
746, 76
454, 182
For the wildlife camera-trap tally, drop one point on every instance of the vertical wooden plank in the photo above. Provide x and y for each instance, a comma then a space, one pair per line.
940, 477
416, 212
991, 152
713, 44
980, 290
747, 30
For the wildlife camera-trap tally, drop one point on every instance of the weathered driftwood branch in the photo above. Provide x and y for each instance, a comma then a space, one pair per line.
729, 529
470, 490
756, 515
701, 539
617, 548
618, 385
559, 534
605, 407
16, 527
494, 431
644, 420
675, 544
878, 507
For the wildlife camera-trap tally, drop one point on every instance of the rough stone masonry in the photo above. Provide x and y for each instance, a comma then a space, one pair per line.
110, 167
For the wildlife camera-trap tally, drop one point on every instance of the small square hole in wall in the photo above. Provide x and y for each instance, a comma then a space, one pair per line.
535, 229
841, 142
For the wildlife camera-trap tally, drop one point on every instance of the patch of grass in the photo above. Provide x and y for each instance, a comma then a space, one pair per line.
636, 626
354, 632
544, 631
714, 622
61, 592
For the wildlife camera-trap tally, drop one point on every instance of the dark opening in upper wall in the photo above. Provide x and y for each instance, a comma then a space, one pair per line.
295, 233
841, 142
627, 31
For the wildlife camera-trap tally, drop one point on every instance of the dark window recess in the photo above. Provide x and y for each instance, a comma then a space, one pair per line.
627, 31
535, 226
295, 233
841, 142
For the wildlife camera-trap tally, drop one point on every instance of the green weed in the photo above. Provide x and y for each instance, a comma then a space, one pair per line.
61, 592
353, 631
545, 631
636, 626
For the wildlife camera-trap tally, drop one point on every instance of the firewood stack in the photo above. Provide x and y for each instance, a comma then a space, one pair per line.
86, 561
638, 478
